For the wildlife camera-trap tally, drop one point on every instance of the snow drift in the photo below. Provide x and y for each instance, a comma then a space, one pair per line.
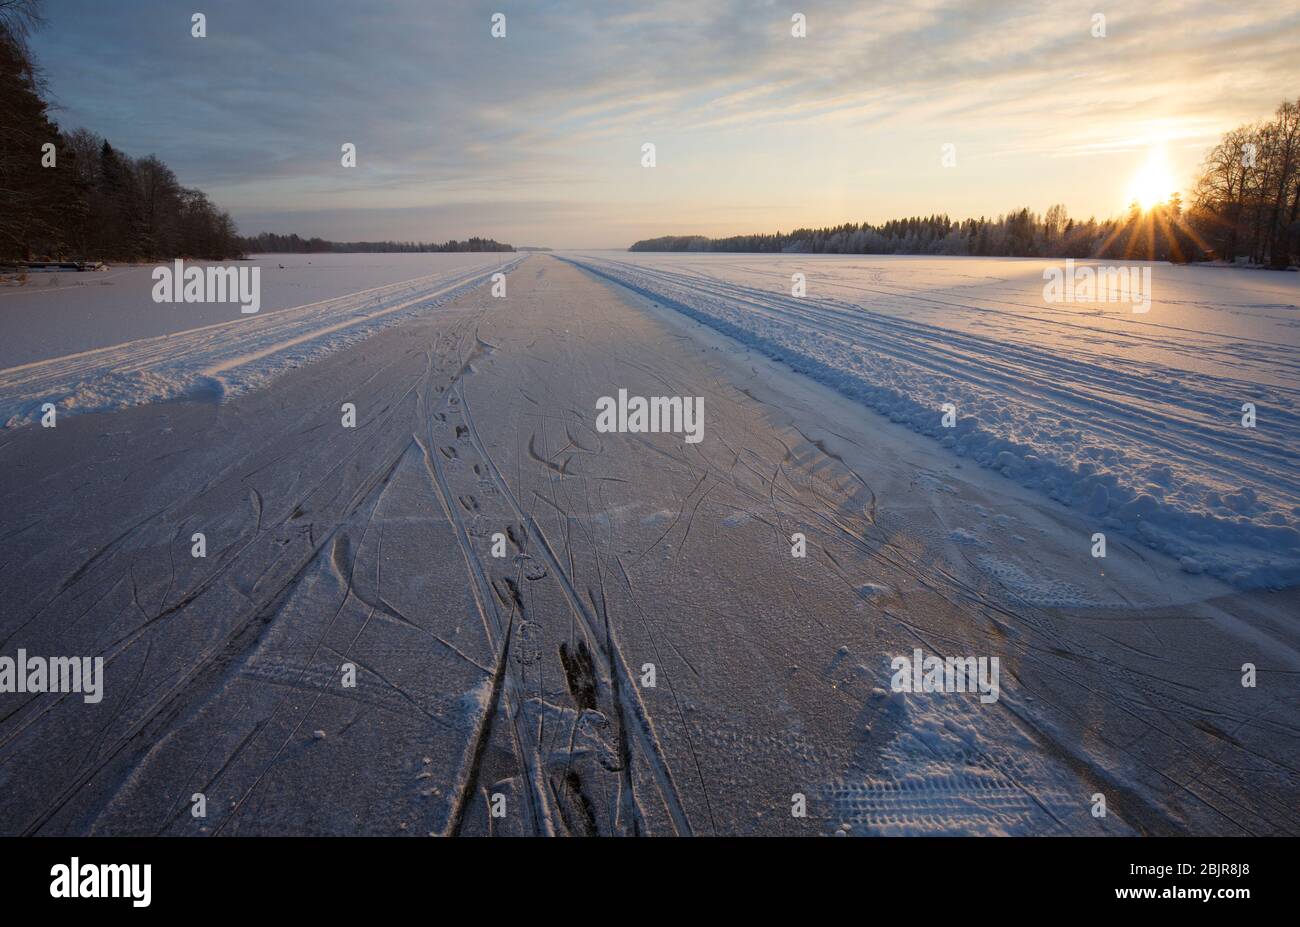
226, 358
1135, 420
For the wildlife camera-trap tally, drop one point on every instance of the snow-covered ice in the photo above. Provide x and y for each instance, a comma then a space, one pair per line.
374, 551
60, 314
1135, 419
182, 357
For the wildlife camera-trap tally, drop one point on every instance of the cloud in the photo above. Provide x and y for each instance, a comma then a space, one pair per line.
551, 118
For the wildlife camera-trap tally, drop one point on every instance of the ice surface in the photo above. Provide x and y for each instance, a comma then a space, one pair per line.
521, 676
58, 314
1135, 419
221, 358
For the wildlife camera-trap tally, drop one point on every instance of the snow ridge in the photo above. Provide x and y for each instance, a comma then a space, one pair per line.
1148, 449
225, 359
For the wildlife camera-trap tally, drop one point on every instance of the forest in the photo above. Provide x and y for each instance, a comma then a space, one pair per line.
1245, 207
72, 195
271, 243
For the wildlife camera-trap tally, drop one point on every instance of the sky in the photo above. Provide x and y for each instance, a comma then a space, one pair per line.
537, 138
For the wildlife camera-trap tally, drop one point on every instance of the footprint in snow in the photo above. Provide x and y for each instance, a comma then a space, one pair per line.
532, 567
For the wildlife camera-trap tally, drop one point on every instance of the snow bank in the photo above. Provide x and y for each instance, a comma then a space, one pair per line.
226, 358
1134, 420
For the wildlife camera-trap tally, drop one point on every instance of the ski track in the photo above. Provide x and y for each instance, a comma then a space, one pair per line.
1151, 447
222, 668
227, 358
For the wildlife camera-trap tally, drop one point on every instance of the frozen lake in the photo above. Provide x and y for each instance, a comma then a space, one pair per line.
499, 576
56, 314
1136, 418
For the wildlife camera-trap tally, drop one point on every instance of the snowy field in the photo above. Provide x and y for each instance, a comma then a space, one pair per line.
1135, 419
98, 341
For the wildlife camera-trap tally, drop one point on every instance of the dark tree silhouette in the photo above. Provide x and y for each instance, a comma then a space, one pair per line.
84, 199
1246, 204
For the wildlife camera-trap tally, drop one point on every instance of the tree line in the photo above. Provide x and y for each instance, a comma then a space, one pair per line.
1245, 205
271, 243
72, 194
1021, 233
1247, 198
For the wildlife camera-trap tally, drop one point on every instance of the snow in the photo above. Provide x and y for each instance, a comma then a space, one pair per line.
59, 314
181, 353
1133, 419
944, 772
521, 676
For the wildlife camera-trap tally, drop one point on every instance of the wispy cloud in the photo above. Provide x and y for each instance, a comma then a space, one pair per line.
538, 135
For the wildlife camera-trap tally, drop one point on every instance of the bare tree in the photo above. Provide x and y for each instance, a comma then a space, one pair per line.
17, 19
1245, 201
1283, 167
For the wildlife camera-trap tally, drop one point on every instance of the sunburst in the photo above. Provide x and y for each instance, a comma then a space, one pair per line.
1153, 183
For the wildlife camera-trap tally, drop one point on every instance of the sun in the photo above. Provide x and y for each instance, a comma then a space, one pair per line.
1153, 183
